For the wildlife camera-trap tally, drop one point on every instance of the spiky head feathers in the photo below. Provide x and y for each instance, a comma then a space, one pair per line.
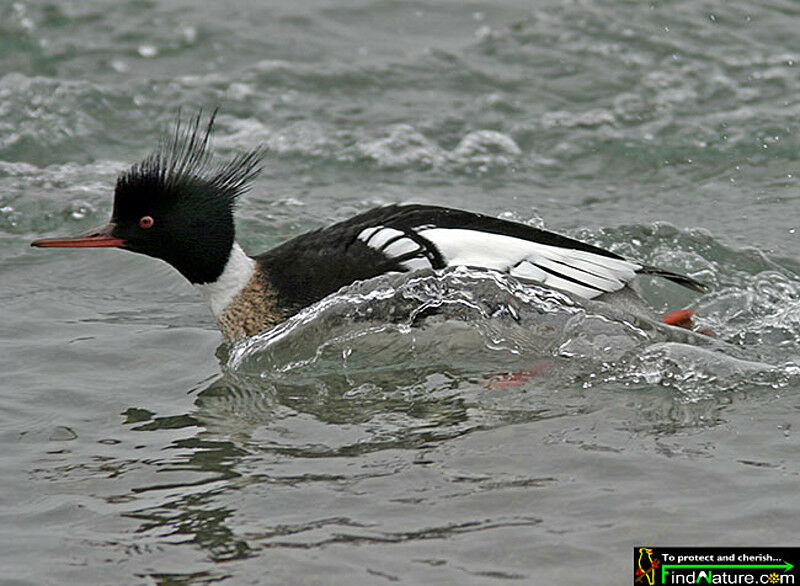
188, 199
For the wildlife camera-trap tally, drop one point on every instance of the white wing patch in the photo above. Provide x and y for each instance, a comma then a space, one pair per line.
575, 271
396, 244
400, 246
377, 236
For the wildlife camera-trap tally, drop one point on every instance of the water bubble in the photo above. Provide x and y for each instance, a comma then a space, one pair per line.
486, 142
483, 32
80, 210
10, 215
148, 51
239, 91
405, 146
189, 35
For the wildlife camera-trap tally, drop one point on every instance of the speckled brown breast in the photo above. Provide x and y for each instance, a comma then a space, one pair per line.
252, 311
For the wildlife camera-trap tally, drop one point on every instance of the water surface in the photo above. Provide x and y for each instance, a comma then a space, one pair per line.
139, 449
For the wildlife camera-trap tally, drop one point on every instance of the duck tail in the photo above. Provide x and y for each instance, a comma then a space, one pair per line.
678, 278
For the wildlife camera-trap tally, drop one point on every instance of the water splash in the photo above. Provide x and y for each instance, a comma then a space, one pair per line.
473, 322
470, 320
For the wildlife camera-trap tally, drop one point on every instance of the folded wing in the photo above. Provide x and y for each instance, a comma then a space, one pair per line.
437, 239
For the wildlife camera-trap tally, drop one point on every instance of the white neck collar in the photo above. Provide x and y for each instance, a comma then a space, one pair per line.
235, 276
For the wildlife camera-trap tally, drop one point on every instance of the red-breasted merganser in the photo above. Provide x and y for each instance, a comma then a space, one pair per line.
177, 205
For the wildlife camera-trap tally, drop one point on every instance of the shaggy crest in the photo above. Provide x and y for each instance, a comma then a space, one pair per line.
184, 160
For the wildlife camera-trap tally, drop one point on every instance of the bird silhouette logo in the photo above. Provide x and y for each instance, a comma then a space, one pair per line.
646, 565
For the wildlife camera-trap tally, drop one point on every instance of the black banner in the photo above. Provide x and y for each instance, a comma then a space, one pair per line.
716, 565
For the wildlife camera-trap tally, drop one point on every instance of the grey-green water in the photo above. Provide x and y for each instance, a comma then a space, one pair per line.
135, 448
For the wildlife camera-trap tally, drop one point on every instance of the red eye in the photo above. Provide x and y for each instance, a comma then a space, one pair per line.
146, 222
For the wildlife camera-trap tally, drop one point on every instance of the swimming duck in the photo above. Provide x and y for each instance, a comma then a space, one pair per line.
177, 205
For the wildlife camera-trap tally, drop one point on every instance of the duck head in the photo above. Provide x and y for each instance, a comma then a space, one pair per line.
176, 205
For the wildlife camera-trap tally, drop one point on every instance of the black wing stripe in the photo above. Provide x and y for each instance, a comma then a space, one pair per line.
429, 250
612, 282
372, 234
426, 247
410, 255
392, 240
556, 273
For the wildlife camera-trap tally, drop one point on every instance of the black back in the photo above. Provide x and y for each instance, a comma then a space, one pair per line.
316, 264
313, 265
